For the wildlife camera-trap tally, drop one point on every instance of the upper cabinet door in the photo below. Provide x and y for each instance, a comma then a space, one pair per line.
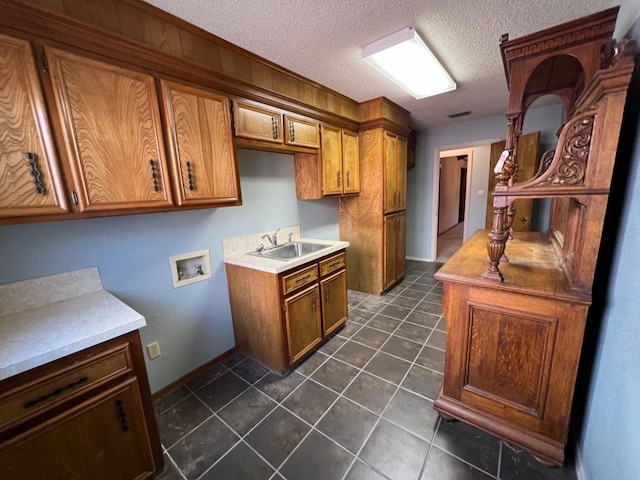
112, 133
301, 133
257, 123
29, 180
351, 162
401, 174
390, 171
331, 160
202, 153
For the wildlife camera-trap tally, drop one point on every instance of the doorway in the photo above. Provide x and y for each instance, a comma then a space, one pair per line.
463, 215
452, 201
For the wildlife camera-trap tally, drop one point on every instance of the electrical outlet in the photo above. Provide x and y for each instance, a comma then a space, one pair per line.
153, 350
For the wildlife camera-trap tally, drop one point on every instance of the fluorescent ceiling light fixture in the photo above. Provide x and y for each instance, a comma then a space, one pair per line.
406, 59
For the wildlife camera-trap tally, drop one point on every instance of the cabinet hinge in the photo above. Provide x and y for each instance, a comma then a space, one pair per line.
45, 64
284, 307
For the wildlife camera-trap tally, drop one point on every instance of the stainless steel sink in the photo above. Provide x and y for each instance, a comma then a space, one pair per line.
290, 250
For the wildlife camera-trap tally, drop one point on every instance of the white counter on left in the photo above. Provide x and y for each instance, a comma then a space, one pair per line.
47, 318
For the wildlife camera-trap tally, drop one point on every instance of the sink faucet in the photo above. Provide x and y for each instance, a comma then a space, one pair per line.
273, 239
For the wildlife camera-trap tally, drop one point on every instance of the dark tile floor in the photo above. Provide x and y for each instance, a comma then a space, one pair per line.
359, 408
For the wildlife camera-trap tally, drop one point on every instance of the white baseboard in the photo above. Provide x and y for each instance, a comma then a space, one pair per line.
420, 259
580, 473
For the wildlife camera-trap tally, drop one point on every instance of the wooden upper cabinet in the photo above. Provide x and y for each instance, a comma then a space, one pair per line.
257, 123
30, 183
351, 162
112, 133
332, 160
201, 146
301, 133
340, 161
395, 173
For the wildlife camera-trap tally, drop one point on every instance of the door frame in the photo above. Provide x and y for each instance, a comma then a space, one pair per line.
464, 148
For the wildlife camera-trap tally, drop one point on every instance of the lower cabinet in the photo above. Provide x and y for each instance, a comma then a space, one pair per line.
395, 227
84, 416
303, 322
280, 318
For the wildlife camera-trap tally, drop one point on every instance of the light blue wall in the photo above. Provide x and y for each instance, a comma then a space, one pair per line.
609, 440
420, 208
192, 323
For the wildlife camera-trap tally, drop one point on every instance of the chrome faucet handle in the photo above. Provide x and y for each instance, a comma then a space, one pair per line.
274, 237
260, 247
290, 235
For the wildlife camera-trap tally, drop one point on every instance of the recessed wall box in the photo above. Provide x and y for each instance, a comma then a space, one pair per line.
187, 268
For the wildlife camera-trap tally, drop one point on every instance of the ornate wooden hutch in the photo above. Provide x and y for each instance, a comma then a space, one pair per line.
516, 319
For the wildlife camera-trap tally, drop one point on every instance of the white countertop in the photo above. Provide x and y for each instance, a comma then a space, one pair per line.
236, 251
40, 334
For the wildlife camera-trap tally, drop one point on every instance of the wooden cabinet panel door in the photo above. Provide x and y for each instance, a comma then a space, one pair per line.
29, 180
113, 138
401, 244
257, 123
390, 172
334, 301
389, 266
303, 322
202, 153
401, 174
331, 160
101, 439
351, 162
301, 133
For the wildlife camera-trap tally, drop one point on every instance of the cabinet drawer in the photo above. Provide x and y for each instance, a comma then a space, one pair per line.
299, 278
301, 132
257, 123
332, 264
43, 393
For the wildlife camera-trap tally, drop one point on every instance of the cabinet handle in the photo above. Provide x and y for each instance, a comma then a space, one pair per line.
122, 416
334, 264
154, 175
74, 197
327, 296
338, 177
274, 127
35, 173
292, 131
302, 279
314, 302
54, 393
348, 182
192, 185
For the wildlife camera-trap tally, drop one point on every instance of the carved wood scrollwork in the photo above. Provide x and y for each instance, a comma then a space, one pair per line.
575, 153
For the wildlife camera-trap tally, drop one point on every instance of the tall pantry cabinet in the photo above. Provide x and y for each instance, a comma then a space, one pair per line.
374, 222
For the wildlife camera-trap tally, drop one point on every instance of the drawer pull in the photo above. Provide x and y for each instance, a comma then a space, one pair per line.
122, 416
274, 127
292, 131
335, 264
57, 391
302, 279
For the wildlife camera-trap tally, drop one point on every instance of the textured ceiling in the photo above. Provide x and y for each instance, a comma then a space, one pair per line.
322, 40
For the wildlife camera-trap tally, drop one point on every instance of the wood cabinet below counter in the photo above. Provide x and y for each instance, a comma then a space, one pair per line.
89, 413
280, 318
